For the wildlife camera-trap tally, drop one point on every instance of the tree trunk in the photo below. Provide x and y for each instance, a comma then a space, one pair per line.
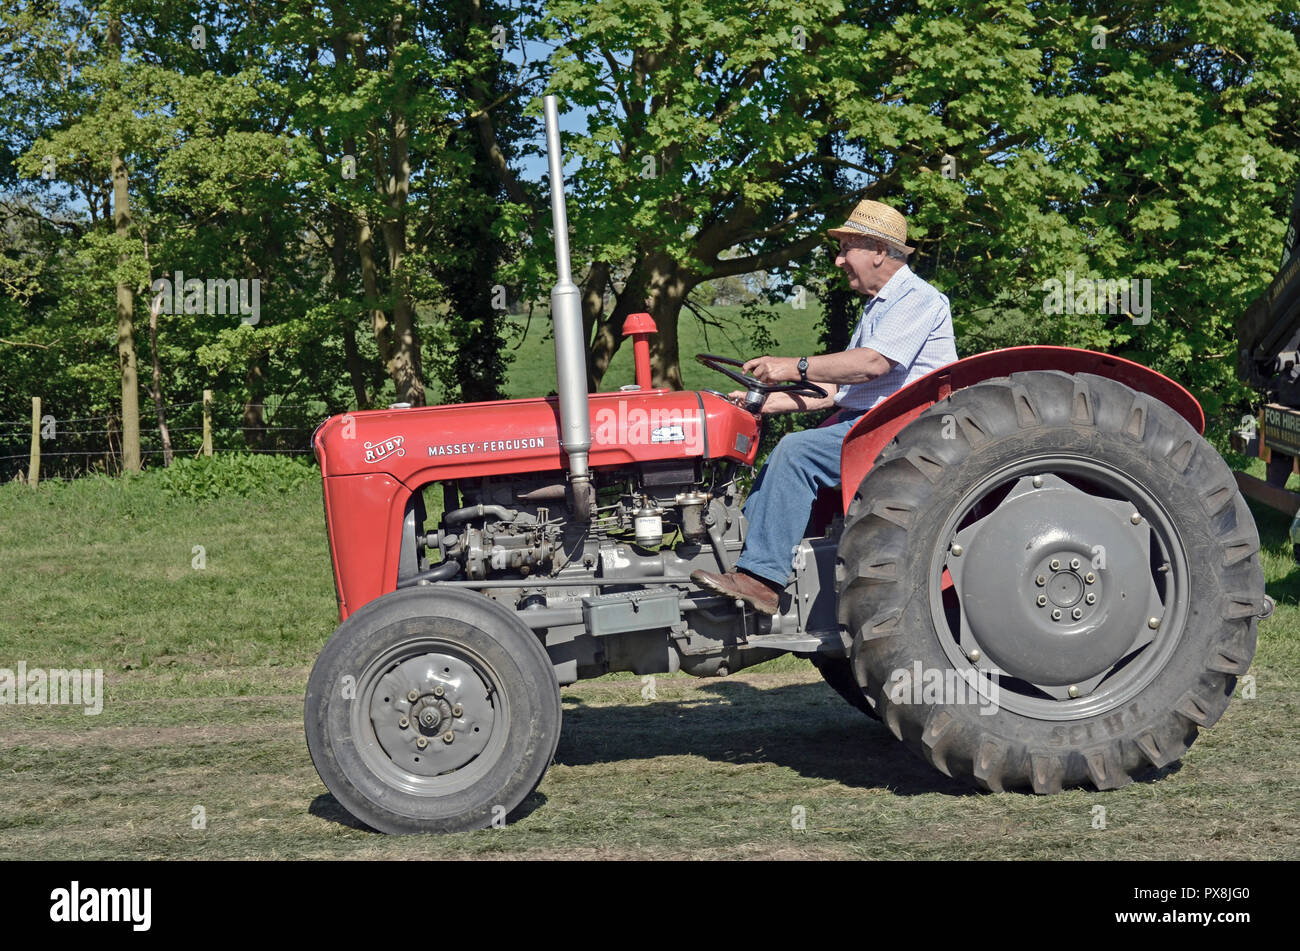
156, 390
352, 357
404, 364
126, 356
658, 286
379, 323
608, 336
253, 418
668, 288
356, 366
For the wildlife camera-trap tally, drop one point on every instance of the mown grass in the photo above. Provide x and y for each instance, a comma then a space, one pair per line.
206, 669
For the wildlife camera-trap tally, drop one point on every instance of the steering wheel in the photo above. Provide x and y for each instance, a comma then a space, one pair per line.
713, 362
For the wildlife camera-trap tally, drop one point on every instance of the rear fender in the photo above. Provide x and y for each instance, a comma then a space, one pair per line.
877, 428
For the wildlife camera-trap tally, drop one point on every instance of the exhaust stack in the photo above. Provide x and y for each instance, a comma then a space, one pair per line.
570, 348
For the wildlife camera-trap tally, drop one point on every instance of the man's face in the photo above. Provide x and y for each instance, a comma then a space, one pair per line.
862, 260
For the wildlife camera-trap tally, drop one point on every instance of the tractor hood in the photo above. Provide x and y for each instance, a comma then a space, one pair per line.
433, 444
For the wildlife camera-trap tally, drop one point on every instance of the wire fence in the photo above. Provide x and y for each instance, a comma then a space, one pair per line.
82, 445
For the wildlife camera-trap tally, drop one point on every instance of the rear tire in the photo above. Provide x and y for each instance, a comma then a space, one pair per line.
1028, 471
432, 711
838, 674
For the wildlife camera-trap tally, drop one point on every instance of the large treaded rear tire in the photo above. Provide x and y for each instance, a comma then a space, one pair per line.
899, 527
838, 674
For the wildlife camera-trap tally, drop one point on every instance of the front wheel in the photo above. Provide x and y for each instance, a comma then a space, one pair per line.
1051, 580
432, 711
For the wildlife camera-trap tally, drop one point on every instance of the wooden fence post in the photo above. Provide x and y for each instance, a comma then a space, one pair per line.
34, 461
207, 422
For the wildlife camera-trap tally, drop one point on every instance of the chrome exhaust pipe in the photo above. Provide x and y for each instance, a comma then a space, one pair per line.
570, 347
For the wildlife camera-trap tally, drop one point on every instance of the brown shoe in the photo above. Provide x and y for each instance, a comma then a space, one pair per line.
757, 594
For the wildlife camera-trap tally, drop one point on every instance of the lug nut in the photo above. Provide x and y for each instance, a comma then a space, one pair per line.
413, 695
439, 690
1056, 614
1153, 622
1091, 598
957, 550
448, 737
457, 710
1135, 518
403, 723
1038, 482
421, 742
1040, 580
1054, 564
1074, 563
1042, 600
1076, 613
1074, 691
1090, 577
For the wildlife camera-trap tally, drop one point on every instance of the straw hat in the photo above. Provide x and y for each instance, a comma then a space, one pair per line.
875, 220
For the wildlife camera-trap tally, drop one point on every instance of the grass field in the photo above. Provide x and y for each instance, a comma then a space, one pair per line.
205, 670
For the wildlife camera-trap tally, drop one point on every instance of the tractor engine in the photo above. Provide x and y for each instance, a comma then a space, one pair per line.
624, 571
509, 526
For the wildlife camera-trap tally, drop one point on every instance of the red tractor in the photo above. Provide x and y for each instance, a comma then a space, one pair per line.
1036, 571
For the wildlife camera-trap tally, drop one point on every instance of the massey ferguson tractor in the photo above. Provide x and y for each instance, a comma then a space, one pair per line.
1040, 534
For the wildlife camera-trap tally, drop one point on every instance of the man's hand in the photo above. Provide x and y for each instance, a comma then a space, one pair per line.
773, 369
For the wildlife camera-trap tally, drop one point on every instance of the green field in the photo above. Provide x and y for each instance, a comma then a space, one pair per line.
206, 667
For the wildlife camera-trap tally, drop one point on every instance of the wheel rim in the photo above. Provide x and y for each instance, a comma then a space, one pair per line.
1068, 587
430, 717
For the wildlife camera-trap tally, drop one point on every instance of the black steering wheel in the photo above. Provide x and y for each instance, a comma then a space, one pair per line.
713, 362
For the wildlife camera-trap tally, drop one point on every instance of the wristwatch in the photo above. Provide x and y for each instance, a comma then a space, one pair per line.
803, 369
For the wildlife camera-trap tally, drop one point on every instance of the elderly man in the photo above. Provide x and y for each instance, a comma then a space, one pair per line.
905, 331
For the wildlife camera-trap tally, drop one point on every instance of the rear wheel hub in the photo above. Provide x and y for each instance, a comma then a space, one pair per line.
1057, 575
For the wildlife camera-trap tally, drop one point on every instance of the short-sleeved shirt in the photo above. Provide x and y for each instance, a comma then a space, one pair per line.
909, 323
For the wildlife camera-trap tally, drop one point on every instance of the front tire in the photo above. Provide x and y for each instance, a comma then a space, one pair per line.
987, 633
432, 711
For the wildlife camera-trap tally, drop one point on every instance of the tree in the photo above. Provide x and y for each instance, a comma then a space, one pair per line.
703, 156
1025, 145
468, 228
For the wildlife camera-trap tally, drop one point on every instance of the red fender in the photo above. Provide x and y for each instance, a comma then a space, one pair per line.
877, 428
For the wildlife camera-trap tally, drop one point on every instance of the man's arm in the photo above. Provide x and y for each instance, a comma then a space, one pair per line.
852, 366
827, 370
794, 402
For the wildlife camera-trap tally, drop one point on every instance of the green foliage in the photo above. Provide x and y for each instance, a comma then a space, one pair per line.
235, 474
1150, 140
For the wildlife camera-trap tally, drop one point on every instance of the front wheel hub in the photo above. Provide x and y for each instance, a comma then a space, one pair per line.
450, 700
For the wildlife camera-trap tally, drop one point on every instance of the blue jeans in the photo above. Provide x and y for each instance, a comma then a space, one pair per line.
782, 497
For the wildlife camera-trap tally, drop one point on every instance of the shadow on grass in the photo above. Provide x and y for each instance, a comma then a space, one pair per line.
326, 807
803, 727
